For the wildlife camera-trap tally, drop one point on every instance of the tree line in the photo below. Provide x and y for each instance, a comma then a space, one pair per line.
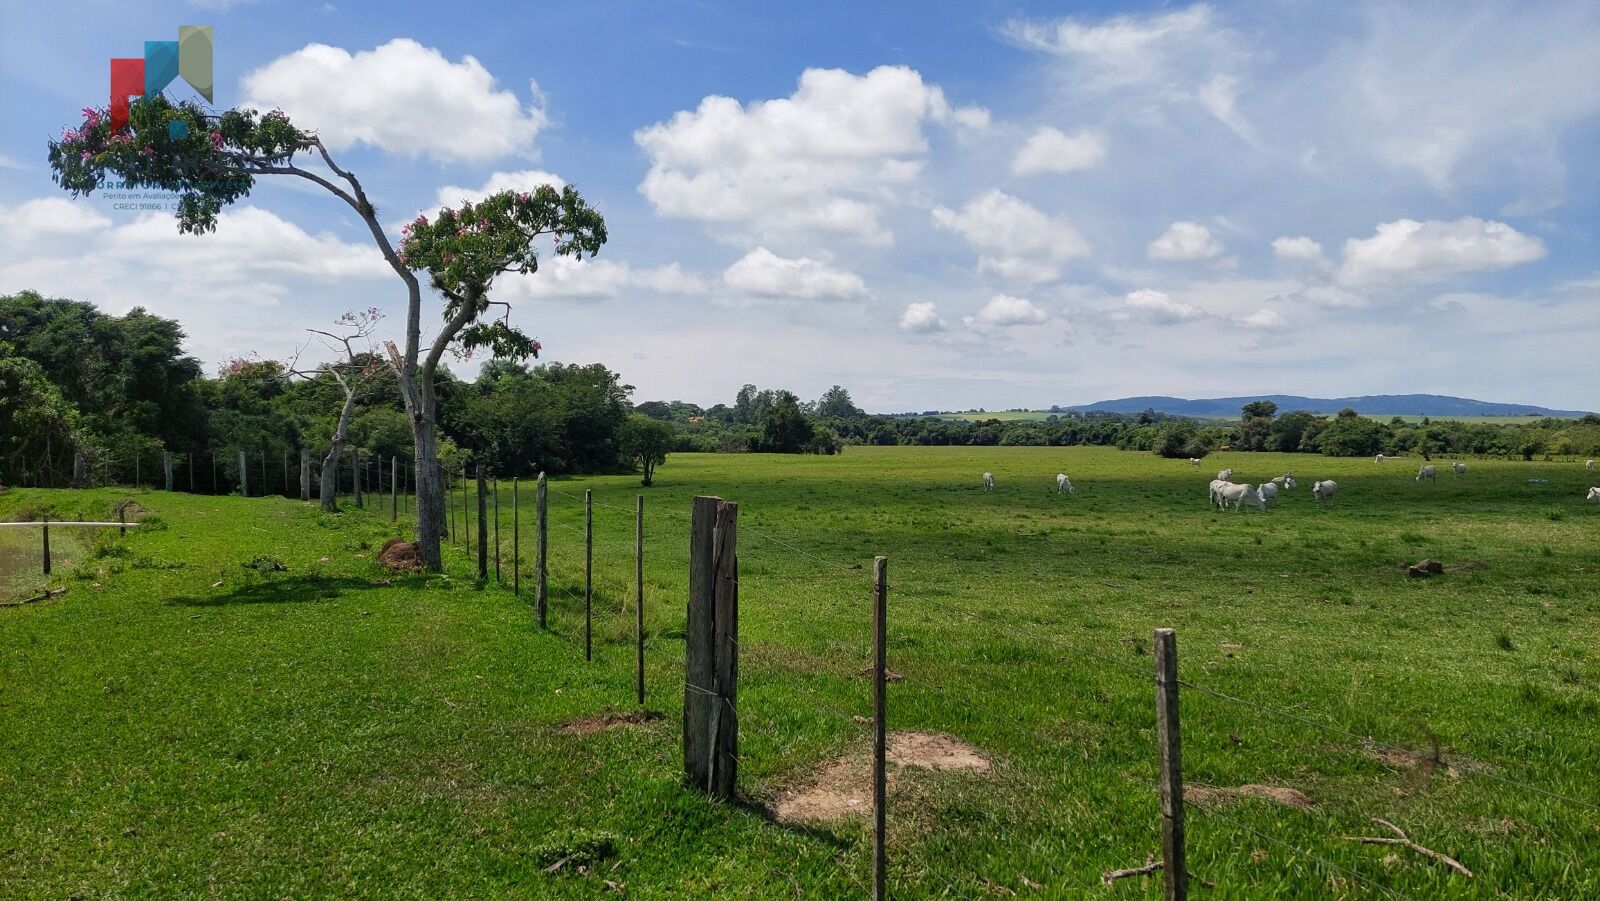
121, 389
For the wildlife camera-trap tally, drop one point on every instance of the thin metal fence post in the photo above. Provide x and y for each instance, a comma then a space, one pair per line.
588, 573
880, 667
496, 489
541, 520
1174, 864
483, 528
394, 490
516, 540
638, 598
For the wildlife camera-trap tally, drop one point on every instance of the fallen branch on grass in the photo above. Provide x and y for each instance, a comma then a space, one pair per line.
1405, 841
1150, 866
50, 593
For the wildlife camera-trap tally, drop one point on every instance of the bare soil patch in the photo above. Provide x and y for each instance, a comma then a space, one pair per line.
1278, 794
600, 722
843, 787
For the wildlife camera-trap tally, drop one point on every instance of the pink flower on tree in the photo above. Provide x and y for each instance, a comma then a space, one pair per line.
216, 140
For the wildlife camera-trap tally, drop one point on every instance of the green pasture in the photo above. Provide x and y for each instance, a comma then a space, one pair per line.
188, 719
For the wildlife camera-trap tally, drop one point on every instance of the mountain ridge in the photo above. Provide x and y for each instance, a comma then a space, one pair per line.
1368, 404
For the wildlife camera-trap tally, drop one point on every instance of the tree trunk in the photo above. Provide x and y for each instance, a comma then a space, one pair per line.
305, 473
328, 491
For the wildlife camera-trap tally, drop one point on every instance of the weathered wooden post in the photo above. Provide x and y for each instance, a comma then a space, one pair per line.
1174, 864
516, 540
394, 489
466, 513
263, 473
122, 520
46, 531
496, 492
541, 521
189, 460
355, 476
77, 469
166, 469
483, 528
880, 669
244, 476
588, 573
638, 597
711, 666
305, 473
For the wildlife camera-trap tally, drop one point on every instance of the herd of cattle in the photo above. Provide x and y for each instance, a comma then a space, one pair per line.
1225, 492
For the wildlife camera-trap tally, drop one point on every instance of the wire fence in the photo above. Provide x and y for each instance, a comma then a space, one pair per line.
814, 639
820, 592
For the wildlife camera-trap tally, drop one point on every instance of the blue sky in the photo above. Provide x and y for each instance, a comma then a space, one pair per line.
936, 205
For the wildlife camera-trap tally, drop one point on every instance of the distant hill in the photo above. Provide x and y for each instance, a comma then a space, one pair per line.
1436, 405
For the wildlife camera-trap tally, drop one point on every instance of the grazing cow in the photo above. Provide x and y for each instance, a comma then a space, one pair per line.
1284, 481
1225, 475
988, 481
1324, 490
1589, 465
1195, 461
1427, 472
1379, 458
1239, 495
1212, 495
1594, 495
1064, 484
1269, 491
1459, 469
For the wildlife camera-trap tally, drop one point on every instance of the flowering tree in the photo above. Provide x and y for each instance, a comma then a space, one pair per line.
211, 160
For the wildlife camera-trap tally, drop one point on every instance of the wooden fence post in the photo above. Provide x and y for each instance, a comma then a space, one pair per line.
189, 459
638, 597
78, 469
711, 665
394, 489
263, 473
588, 573
355, 476
880, 668
166, 469
122, 520
496, 490
135, 470
516, 540
244, 476
541, 521
285, 472
46, 521
466, 512
483, 528
1174, 865
305, 473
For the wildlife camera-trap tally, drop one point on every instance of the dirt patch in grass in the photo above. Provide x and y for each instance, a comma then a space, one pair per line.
401, 556
600, 722
1278, 794
843, 787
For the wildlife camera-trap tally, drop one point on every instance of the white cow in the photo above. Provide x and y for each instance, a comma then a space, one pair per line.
1215, 484
988, 481
1589, 465
1195, 461
1427, 472
1459, 469
1239, 495
1379, 458
1324, 490
1284, 481
1269, 491
1225, 475
1594, 495
1064, 484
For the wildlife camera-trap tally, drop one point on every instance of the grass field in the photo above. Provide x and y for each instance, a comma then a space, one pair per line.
179, 724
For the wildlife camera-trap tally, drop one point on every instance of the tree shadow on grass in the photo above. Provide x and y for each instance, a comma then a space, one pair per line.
287, 590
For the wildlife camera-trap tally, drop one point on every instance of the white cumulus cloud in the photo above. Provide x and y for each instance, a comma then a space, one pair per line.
402, 97
1004, 310
50, 217
1159, 307
1184, 242
765, 274
1053, 150
1299, 249
823, 160
921, 317
522, 181
1014, 239
1408, 250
